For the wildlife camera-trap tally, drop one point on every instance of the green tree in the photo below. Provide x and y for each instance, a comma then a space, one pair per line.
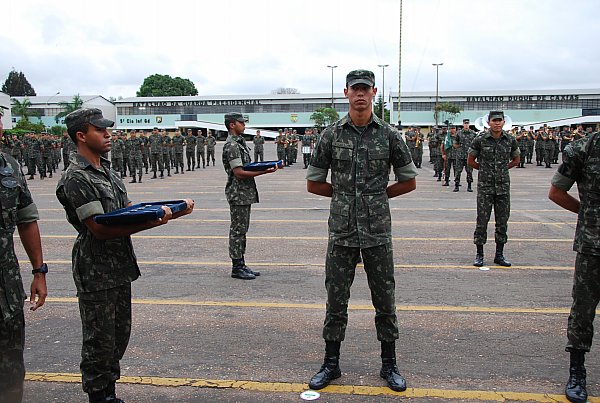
69, 107
23, 109
377, 109
16, 85
158, 85
324, 117
446, 112
58, 130
23, 124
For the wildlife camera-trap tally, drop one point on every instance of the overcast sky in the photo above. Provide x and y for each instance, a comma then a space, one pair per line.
229, 47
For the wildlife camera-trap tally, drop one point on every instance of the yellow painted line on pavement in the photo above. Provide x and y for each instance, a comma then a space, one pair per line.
317, 238
353, 307
290, 387
321, 265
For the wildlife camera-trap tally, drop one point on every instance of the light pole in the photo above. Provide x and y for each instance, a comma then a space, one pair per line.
48, 101
437, 70
383, 66
332, 67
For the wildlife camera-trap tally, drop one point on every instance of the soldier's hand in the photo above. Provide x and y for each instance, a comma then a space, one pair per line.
168, 215
39, 289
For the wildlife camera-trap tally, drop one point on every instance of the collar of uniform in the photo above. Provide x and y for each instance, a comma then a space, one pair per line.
84, 163
374, 120
489, 134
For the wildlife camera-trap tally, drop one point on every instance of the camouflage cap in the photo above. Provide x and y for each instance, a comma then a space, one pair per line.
92, 116
235, 116
466, 121
360, 77
496, 115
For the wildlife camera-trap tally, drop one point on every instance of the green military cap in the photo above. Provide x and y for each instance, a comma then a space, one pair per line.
360, 77
496, 115
92, 116
230, 117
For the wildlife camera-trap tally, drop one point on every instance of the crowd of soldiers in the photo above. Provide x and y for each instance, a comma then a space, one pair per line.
138, 152
287, 145
448, 148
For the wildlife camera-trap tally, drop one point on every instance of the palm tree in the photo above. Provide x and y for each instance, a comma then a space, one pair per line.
69, 107
22, 108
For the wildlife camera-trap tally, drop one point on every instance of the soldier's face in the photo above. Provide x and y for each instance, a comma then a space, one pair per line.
496, 125
239, 127
360, 96
97, 139
465, 126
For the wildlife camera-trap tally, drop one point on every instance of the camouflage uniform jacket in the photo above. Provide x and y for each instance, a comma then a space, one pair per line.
493, 157
211, 142
154, 141
236, 154
116, 149
190, 144
281, 142
136, 146
35, 148
178, 142
307, 140
17, 208
258, 143
144, 140
165, 143
360, 160
581, 164
466, 138
86, 191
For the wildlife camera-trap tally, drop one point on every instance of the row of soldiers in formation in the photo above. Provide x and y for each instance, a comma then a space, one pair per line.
40, 152
137, 152
287, 145
449, 151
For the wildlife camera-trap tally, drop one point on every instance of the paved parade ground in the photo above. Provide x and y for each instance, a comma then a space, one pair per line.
200, 336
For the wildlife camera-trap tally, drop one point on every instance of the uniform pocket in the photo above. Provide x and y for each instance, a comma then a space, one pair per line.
380, 220
339, 216
8, 204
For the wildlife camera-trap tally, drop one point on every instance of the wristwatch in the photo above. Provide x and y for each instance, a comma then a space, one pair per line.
42, 269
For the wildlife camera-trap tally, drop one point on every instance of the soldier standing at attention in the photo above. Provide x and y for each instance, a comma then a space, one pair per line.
165, 147
521, 138
259, 147
211, 143
145, 154
190, 150
135, 157
493, 153
581, 164
360, 149
201, 142
116, 152
154, 143
240, 191
178, 142
466, 136
281, 142
307, 143
18, 212
102, 278
450, 156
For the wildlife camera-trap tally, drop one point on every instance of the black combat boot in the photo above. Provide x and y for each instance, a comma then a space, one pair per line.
330, 369
469, 188
439, 179
238, 270
499, 258
389, 369
133, 180
456, 189
140, 178
249, 270
98, 397
154, 176
575, 390
479, 256
446, 183
111, 395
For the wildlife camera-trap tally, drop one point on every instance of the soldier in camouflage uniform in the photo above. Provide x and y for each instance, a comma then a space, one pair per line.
165, 147
154, 143
178, 142
451, 154
211, 143
48, 146
240, 191
145, 154
116, 152
281, 142
135, 157
307, 143
18, 212
200, 153
35, 156
548, 147
466, 136
581, 165
17, 149
434, 142
104, 263
259, 147
190, 150
522, 142
126, 152
493, 153
360, 149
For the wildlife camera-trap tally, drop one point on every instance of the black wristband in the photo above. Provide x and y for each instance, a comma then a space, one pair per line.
42, 269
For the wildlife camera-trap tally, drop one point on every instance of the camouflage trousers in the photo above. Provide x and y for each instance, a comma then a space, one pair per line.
548, 155
145, 161
259, 156
156, 162
240, 222
48, 164
106, 327
117, 163
33, 163
458, 167
166, 162
135, 164
191, 160
462, 165
12, 366
282, 156
210, 156
438, 164
179, 161
200, 154
340, 266
501, 205
586, 295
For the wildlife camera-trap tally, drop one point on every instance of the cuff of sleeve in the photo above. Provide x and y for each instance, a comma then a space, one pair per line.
515, 153
234, 163
406, 172
474, 153
562, 182
89, 210
316, 174
27, 214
